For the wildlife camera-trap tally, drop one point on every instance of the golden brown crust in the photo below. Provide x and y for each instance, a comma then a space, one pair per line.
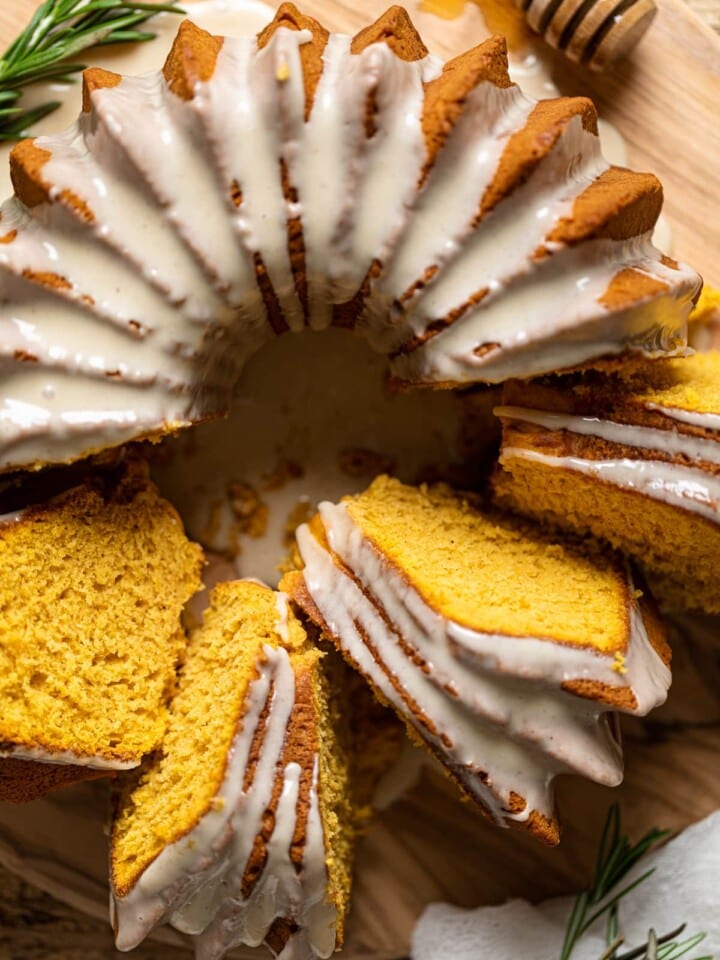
46, 279
95, 78
301, 746
617, 205
528, 147
346, 314
445, 96
622, 698
279, 934
276, 317
630, 286
296, 241
24, 780
396, 29
26, 164
192, 59
311, 54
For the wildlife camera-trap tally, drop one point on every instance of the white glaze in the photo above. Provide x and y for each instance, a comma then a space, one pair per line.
382, 195
195, 883
450, 200
679, 486
484, 703
320, 163
160, 306
489, 255
708, 421
65, 757
281, 627
629, 435
558, 298
85, 160
230, 18
242, 105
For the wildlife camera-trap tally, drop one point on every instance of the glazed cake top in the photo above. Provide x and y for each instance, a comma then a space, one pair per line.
484, 237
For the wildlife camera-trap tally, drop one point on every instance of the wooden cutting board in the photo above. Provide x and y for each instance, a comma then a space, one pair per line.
430, 846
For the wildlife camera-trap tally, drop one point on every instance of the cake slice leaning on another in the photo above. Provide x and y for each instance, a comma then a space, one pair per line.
503, 649
634, 459
94, 581
239, 830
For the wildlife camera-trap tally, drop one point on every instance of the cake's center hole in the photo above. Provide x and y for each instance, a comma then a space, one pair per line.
312, 419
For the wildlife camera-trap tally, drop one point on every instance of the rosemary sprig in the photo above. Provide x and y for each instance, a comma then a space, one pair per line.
616, 858
57, 31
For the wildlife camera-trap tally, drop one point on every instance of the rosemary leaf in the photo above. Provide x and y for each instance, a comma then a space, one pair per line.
615, 900
616, 857
14, 124
671, 951
57, 31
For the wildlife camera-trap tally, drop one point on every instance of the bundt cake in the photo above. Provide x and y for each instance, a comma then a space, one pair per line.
239, 829
92, 590
303, 179
634, 459
503, 648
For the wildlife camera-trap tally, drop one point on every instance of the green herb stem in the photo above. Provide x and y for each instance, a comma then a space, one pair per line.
615, 859
56, 32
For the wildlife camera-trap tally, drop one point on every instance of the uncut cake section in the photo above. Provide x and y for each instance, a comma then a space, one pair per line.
311, 228
633, 459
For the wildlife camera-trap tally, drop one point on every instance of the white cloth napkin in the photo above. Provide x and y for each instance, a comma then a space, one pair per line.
684, 888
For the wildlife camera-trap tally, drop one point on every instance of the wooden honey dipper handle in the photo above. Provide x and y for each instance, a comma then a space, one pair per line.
591, 32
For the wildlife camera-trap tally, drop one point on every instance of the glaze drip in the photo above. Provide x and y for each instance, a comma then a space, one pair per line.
494, 709
189, 216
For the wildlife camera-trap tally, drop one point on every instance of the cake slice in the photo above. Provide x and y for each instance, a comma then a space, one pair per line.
239, 830
94, 581
503, 649
633, 459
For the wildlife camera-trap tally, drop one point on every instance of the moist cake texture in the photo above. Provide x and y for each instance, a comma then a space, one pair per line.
502, 648
92, 590
633, 459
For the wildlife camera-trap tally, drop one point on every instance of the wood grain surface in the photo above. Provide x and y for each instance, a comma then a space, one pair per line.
665, 101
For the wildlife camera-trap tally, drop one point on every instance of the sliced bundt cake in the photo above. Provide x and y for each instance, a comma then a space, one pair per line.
634, 459
93, 585
469, 232
239, 829
503, 648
